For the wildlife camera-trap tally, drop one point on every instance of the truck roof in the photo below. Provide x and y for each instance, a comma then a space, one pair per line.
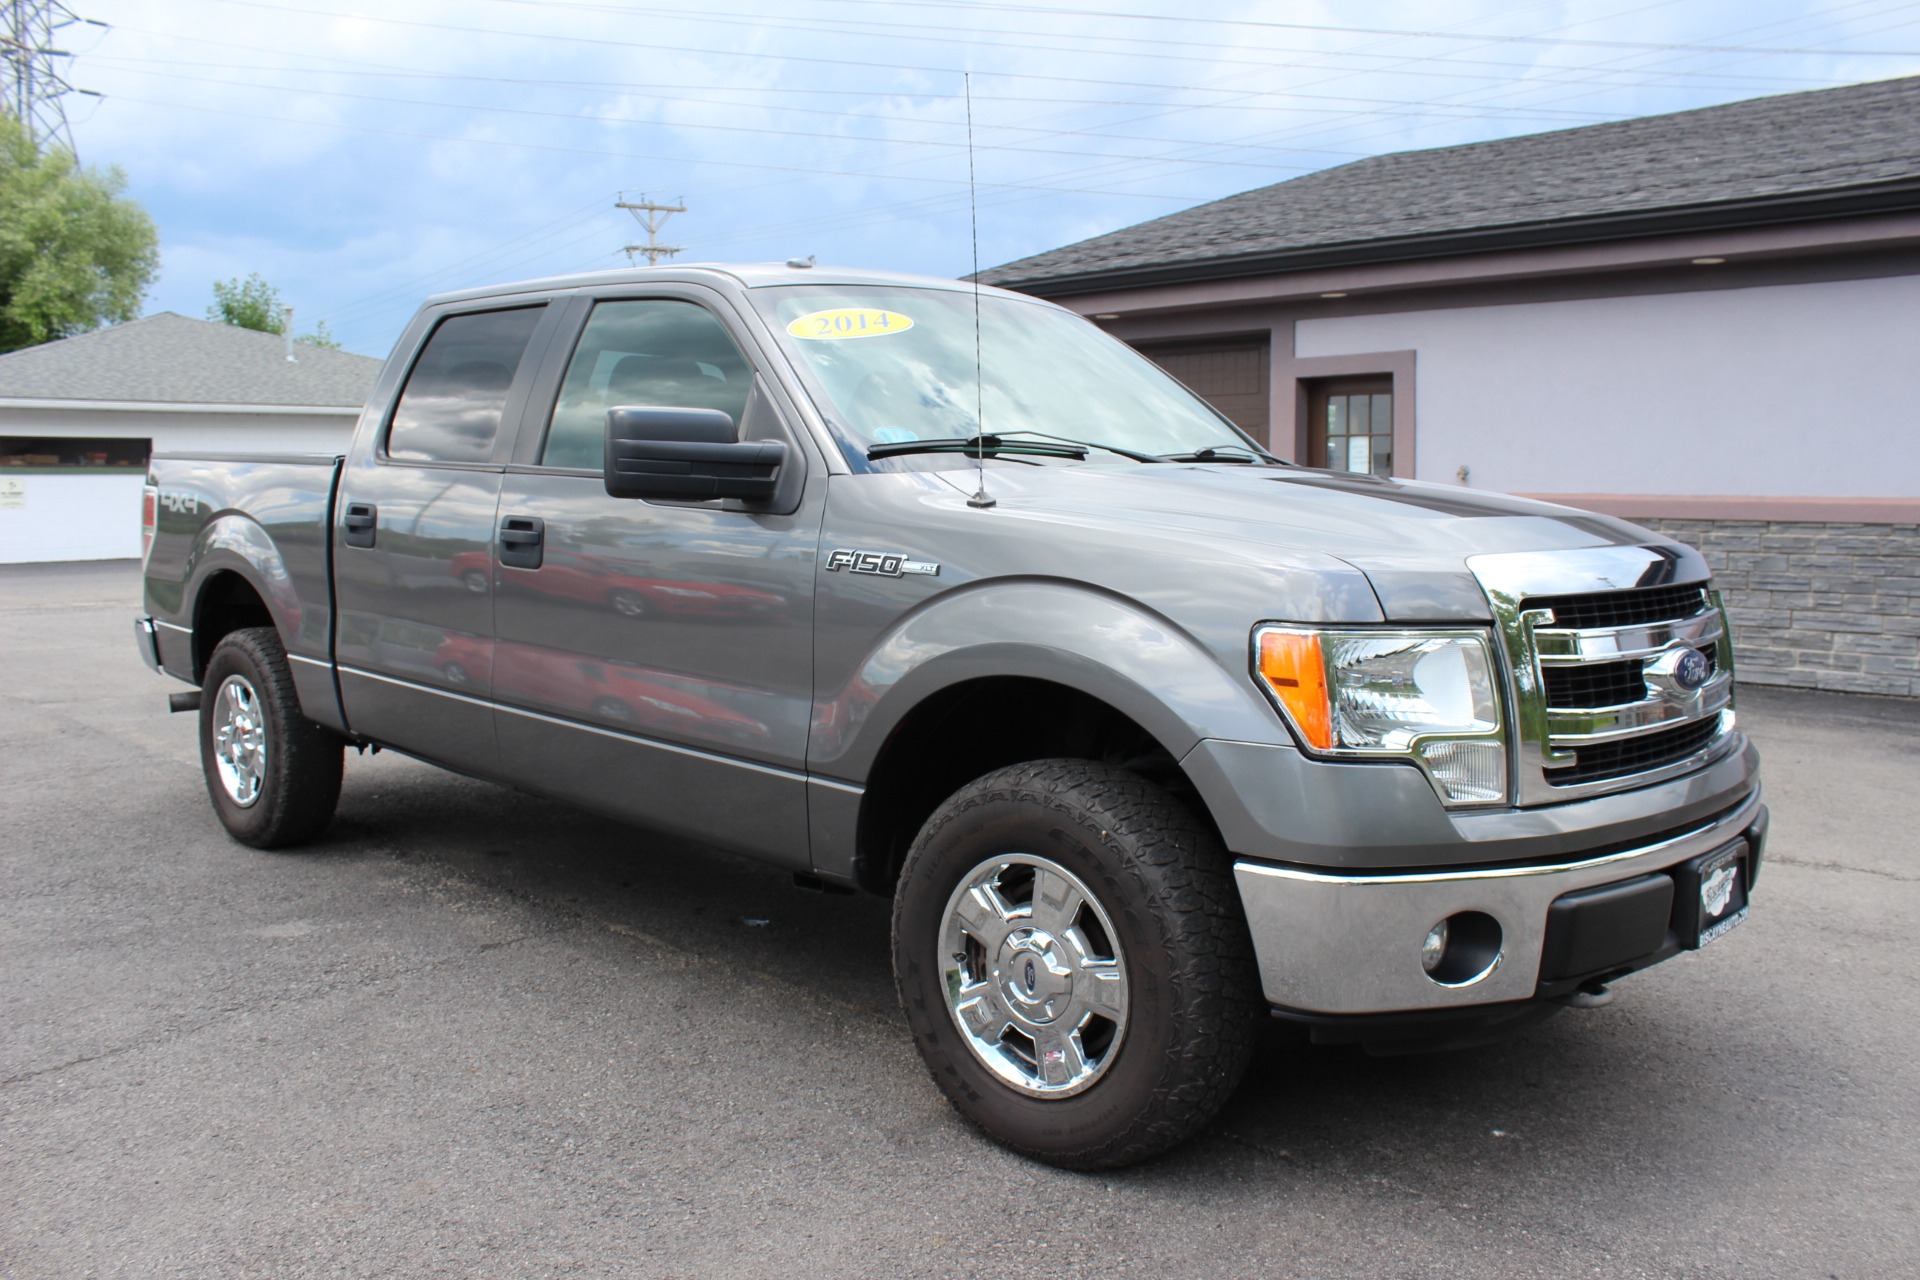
746, 275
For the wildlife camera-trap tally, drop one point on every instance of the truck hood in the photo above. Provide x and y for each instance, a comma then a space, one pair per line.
1411, 539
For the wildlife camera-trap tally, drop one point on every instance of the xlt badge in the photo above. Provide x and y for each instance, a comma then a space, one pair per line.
885, 564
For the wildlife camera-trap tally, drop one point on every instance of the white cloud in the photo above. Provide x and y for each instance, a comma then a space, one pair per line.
340, 155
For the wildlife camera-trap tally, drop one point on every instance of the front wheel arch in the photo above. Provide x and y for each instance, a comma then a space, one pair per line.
971, 728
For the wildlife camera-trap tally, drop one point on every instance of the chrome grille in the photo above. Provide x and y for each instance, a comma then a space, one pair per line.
1624, 608
1635, 755
1595, 712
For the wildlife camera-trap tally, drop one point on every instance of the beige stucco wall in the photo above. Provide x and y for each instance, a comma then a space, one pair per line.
1803, 389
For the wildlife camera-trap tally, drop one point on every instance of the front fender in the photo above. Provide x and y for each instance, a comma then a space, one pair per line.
1134, 660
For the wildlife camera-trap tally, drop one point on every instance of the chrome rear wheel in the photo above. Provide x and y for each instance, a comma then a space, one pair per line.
273, 775
239, 741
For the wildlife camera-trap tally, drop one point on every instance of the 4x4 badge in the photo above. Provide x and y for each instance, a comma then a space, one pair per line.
885, 564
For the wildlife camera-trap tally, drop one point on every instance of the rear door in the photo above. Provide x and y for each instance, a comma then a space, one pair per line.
656, 662
413, 535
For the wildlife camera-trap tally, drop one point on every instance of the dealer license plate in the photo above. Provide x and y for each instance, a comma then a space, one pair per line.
1719, 880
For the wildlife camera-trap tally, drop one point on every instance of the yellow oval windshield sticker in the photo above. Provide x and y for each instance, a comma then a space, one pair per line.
849, 322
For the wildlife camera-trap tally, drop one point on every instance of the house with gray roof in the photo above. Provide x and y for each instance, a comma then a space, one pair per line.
79, 418
1704, 321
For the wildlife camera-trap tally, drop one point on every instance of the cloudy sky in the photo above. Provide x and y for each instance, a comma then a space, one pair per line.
360, 154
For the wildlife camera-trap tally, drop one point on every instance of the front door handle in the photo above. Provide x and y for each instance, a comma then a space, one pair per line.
360, 524
522, 541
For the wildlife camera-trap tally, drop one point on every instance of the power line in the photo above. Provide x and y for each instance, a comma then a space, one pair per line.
36, 88
1401, 32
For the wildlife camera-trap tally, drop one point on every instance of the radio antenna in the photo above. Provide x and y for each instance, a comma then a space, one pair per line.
979, 498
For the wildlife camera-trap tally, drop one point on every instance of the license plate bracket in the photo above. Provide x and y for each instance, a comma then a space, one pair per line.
1710, 894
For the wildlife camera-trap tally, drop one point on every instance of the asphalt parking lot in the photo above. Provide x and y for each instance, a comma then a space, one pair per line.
476, 1034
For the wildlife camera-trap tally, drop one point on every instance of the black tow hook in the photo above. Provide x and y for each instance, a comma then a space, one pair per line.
189, 701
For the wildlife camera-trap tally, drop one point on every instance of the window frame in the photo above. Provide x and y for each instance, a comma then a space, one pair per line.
512, 409
1320, 394
545, 386
1305, 373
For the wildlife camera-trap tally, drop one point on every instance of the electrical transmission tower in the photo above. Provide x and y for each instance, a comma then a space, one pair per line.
653, 217
35, 88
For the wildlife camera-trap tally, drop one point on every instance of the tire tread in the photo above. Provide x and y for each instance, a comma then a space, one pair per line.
1179, 867
303, 785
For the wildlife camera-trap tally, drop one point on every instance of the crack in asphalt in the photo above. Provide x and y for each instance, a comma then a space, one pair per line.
1809, 864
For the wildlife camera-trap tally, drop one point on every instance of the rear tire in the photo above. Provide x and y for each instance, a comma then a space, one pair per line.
1071, 954
273, 774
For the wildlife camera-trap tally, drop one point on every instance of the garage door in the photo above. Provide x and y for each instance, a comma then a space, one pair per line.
1229, 373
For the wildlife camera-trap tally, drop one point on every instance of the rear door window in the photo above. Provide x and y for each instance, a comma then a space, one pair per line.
450, 409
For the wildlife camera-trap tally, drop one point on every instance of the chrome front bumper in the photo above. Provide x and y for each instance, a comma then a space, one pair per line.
1350, 944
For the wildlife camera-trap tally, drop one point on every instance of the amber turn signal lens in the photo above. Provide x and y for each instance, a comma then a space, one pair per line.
1291, 664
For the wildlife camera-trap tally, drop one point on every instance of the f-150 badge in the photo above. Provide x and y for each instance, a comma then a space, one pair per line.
884, 564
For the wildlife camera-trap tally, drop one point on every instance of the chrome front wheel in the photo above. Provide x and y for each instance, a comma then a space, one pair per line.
1034, 975
1073, 961
239, 741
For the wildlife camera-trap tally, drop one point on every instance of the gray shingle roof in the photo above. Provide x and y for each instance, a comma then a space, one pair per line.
168, 358
1765, 150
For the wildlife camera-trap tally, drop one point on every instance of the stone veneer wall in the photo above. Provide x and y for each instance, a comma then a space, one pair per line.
1813, 605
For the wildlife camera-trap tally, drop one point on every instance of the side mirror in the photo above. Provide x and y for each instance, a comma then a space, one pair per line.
687, 455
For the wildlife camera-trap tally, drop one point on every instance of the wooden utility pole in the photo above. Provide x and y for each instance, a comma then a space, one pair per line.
653, 217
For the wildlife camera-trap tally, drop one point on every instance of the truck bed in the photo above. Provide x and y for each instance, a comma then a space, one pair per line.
263, 518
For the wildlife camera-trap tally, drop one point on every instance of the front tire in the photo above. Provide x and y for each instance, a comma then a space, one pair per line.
273, 774
1072, 958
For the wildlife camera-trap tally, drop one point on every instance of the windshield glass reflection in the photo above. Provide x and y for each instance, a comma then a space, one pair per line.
892, 365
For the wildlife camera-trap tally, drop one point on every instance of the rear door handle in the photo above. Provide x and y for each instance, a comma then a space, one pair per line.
522, 541
360, 524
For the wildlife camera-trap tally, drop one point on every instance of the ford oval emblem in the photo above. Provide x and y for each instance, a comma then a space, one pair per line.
1693, 670
1032, 975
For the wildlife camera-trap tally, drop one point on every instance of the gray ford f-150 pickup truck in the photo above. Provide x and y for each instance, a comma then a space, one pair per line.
943, 593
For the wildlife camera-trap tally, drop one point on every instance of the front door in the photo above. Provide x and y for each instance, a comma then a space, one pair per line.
413, 538
654, 659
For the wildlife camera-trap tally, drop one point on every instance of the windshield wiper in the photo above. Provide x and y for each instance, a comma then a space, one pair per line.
1215, 453
1135, 454
978, 445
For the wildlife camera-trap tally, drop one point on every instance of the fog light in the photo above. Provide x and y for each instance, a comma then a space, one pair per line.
1468, 772
1462, 949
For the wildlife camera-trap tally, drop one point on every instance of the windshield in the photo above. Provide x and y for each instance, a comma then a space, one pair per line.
893, 365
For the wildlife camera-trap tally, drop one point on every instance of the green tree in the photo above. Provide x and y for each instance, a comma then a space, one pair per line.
251, 304
320, 337
74, 254
254, 304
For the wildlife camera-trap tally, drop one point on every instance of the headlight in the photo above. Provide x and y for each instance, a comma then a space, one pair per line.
1426, 696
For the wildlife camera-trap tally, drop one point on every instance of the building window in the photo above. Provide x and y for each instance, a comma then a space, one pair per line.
1351, 425
75, 453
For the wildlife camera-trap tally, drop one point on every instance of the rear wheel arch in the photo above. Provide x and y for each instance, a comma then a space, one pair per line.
225, 602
